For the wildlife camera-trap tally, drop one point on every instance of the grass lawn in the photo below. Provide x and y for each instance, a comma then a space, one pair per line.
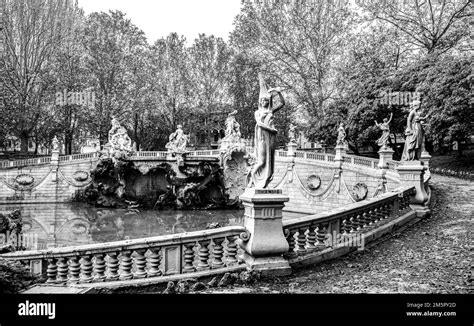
451, 162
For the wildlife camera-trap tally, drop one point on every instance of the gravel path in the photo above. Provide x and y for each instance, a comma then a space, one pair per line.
433, 256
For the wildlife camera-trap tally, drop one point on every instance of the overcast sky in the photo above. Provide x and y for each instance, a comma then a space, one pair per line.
158, 18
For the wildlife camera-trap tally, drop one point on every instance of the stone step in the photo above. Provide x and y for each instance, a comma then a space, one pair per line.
54, 289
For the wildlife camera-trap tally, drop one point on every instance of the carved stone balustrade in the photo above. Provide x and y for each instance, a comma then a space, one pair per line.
155, 257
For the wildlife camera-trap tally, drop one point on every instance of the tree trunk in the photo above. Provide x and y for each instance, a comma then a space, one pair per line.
68, 143
460, 151
24, 137
135, 133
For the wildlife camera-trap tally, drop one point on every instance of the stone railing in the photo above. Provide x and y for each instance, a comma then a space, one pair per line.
204, 153
184, 253
144, 155
90, 156
361, 161
319, 157
27, 162
349, 159
78, 157
393, 165
309, 234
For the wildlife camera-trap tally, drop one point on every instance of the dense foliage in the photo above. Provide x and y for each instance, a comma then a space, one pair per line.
332, 59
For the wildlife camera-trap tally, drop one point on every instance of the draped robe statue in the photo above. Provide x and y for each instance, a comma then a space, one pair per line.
265, 136
415, 135
385, 127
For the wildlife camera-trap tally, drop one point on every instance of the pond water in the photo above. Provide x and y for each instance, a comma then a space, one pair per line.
61, 225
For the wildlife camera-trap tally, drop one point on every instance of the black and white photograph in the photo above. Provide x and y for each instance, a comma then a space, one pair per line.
280, 157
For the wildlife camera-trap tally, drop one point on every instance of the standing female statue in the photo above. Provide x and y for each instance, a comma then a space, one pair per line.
385, 127
415, 135
341, 135
265, 136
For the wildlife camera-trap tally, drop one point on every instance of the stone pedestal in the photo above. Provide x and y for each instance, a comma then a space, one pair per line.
339, 158
385, 156
263, 219
412, 174
292, 147
425, 158
54, 164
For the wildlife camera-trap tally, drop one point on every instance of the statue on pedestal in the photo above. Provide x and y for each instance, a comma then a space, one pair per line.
232, 127
415, 135
120, 144
178, 141
341, 136
385, 127
233, 138
55, 144
265, 135
292, 134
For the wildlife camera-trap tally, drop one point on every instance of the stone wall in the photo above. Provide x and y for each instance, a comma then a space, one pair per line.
312, 186
44, 184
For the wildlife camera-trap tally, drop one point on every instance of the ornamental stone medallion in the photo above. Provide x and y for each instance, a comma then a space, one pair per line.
313, 183
80, 176
360, 191
24, 180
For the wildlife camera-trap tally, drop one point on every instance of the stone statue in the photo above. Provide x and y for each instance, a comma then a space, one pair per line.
265, 135
178, 141
292, 134
232, 127
120, 144
55, 144
385, 127
115, 127
233, 139
415, 135
341, 136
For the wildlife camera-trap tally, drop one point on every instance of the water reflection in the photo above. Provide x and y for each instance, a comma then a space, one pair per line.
71, 224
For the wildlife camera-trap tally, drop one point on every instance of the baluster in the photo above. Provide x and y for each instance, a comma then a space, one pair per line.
366, 219
126, 266
311, 238
380, 213
52, 270
86, 269
387, 210
75, 268
371, 216
232, 249
218, 253
113, 266
359, 222
406, 203
346, 226
63, 270
189, 258
203, 255
321, 236
291, 241
140, 263
99, 268
301, 241
154, 261
353, 224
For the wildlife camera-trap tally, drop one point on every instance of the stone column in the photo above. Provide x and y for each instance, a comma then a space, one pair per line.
292, 147
54, 164
385, 155
266, 244
338, 162
412, 173
339, 158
